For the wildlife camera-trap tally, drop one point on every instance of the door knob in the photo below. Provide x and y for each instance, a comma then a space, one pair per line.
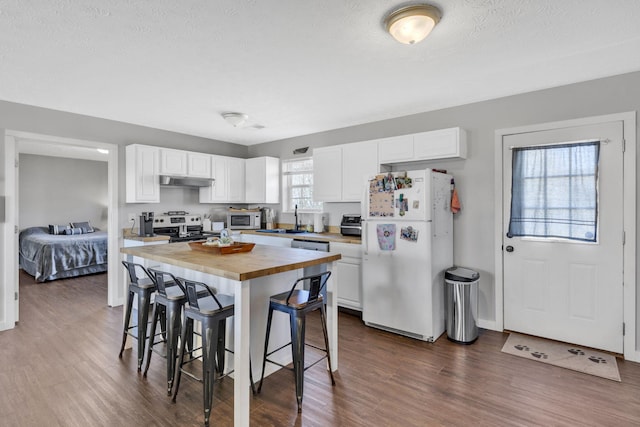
509, 248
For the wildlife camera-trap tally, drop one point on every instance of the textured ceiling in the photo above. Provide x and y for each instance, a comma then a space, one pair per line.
297, 66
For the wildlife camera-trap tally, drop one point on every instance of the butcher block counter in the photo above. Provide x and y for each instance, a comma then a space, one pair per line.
263, 260
252, 277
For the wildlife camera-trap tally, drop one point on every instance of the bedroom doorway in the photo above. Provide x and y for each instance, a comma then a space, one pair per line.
17, 143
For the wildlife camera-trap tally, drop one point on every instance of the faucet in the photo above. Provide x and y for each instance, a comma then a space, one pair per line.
295, 214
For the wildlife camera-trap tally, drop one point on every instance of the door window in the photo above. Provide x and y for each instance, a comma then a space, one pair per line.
555, 191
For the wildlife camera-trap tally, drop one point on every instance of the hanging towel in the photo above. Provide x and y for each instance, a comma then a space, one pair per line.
455, 202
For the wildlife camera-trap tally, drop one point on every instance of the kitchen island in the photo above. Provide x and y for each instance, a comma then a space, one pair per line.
252, 277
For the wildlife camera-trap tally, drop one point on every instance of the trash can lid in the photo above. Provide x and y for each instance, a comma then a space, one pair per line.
460, 274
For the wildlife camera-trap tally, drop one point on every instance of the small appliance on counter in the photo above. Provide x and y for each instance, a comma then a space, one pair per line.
318, 222
243, 219
351, 225
267, 219
145, 227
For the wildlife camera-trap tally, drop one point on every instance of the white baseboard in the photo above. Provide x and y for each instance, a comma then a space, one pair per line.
488, 324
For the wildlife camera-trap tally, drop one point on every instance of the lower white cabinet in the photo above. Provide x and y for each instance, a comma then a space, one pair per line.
265, 240
349, 274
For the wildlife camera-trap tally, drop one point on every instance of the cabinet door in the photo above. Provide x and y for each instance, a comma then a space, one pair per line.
173, 162
236, 180
440, 144
217, 192
262, 183
327, 174
359, 161
395, 149
199, 165
142, 182
349, 288
255, 174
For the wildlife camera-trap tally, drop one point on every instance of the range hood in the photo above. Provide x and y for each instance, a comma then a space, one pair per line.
183, 181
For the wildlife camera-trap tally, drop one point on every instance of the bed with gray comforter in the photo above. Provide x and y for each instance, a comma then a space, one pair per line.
48, 256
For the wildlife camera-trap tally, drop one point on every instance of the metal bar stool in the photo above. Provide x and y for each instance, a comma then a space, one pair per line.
297, 303
212, 313
142, 288
169, 300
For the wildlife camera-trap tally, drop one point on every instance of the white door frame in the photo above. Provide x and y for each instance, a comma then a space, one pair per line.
629, 213
10, 282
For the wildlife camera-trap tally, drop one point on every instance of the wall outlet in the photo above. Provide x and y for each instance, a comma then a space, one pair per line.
132, 217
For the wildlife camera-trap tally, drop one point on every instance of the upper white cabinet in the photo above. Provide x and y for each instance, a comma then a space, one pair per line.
395, 149
173, 162
198, 165
237, 179
262, 180
142, 170
228, 186
438, 144
359, 161
340, 171
185, 163
327, 174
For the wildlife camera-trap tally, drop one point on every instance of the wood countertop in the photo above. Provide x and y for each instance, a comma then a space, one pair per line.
319, 237
263, 260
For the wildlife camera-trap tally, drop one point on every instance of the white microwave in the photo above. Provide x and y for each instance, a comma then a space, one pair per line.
243, 220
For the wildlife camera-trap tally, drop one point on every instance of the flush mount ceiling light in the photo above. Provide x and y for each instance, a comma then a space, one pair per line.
235, 119
411, 24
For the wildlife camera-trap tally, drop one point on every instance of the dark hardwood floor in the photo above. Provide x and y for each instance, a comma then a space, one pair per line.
60, 367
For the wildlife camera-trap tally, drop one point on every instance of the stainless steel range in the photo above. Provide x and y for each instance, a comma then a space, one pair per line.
180, 226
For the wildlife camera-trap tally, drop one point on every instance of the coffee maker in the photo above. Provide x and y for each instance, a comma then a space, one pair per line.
146, 224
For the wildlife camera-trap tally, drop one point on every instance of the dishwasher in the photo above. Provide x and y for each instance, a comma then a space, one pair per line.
314, 269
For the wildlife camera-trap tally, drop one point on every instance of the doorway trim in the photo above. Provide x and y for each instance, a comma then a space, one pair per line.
10, 283
630, 302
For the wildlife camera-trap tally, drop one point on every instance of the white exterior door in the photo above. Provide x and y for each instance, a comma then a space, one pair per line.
563, 289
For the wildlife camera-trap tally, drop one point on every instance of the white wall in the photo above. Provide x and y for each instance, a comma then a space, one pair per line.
474, 244
58, 190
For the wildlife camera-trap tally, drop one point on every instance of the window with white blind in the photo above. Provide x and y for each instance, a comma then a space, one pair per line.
297, 183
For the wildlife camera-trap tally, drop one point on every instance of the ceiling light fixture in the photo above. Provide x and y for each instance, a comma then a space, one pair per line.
235, 119
411, 24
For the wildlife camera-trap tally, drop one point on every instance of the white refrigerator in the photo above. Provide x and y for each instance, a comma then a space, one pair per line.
407, 238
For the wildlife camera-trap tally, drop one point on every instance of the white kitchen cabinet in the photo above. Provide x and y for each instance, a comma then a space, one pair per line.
228, 185
438, 144
327, 174
198, 165
262, 180
236, 180
395, 149
340, 171
142, 173
359, 161
173, 162
266, 240
185, 163
349, 274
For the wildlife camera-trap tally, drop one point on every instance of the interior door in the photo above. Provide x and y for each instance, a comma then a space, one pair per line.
563, 289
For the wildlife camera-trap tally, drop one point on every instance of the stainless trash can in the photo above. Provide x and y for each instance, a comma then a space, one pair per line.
462, 304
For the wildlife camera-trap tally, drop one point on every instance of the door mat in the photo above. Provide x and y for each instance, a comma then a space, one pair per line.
563, 355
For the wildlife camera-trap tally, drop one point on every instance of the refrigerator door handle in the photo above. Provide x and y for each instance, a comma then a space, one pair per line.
365, 240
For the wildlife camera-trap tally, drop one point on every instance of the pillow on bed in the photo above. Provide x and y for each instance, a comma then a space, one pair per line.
72, 231
58, 229
83, 225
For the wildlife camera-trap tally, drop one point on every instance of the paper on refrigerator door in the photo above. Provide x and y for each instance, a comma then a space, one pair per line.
386, 236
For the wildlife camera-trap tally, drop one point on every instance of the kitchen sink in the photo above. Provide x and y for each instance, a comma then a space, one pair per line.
282, 231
